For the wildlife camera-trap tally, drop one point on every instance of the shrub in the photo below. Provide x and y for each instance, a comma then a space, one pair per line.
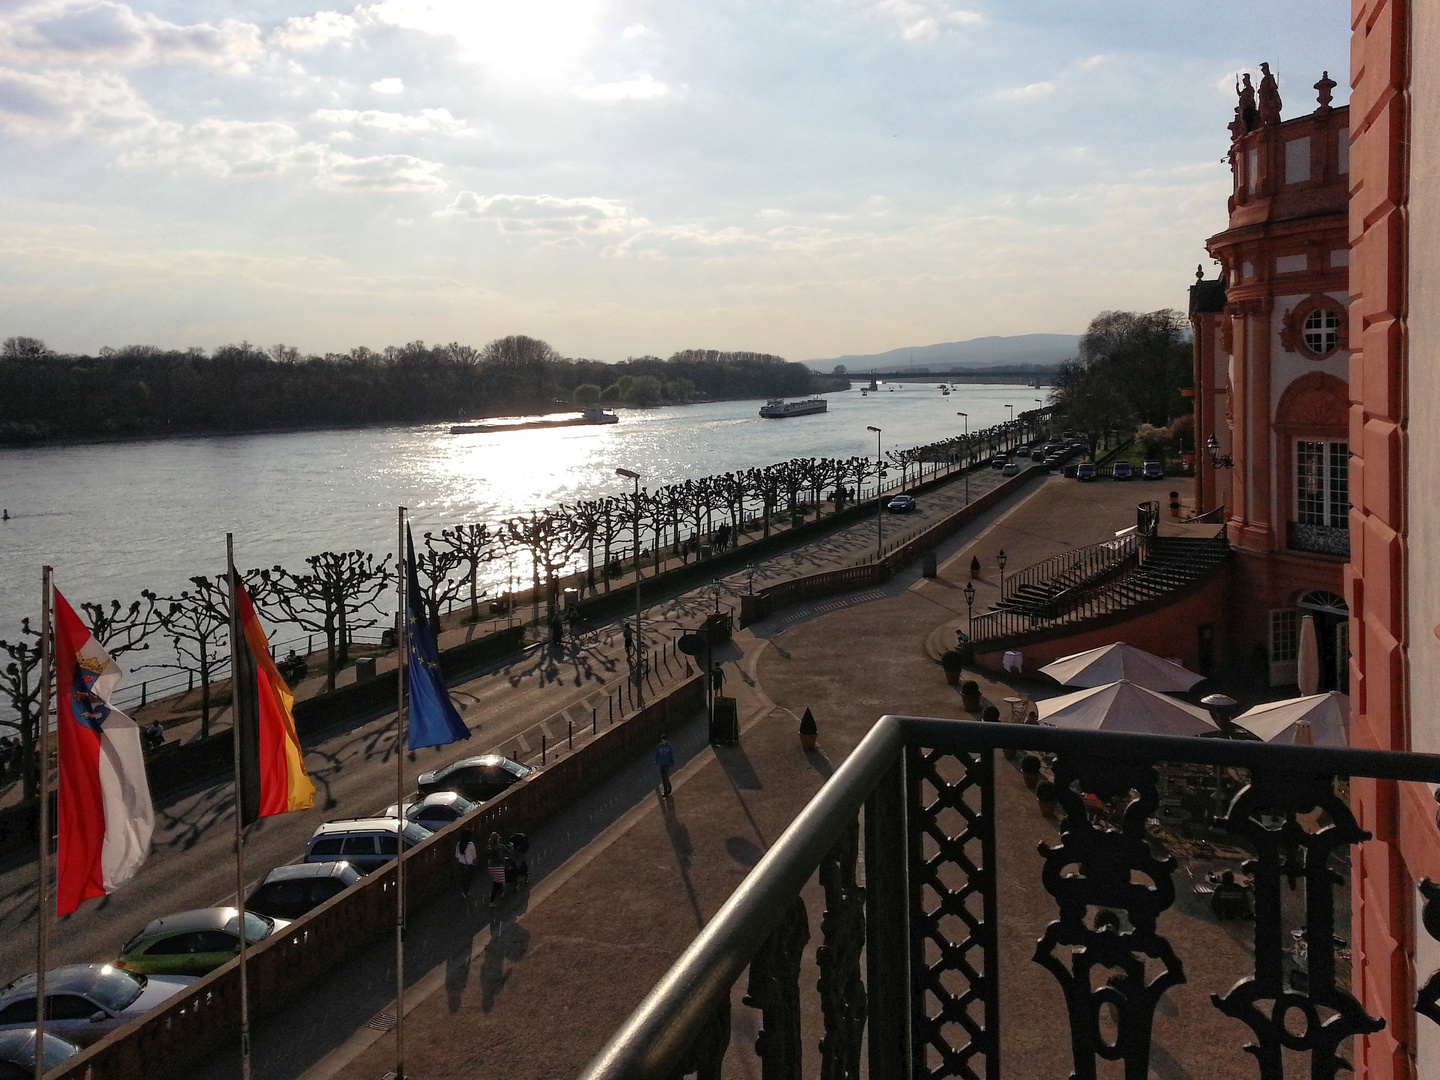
1045, 791
952, 661
1030, 764
970, 688
807, 724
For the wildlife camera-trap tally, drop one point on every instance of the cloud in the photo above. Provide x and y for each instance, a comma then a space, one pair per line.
394, 173
41, 104
104, 32
543, 214
388, 86
426, 121
1093, 62
918, 20
1026, 93
645, 88
224, 148
315, 31
635, 30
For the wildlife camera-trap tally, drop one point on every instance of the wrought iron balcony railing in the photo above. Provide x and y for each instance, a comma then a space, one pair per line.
910, 953
1318, 539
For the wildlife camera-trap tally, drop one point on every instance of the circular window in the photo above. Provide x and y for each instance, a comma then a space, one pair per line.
1322, 331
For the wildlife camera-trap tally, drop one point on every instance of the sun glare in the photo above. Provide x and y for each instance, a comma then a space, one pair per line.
522, 44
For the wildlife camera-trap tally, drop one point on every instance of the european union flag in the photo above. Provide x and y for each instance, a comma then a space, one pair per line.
433, 719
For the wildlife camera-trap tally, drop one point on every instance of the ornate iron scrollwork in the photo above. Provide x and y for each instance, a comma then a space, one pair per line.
1099, 866
842, 992
970, 798
774, 989
1264, 1001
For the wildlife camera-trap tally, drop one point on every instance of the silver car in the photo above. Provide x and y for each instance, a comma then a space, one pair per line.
85, 1002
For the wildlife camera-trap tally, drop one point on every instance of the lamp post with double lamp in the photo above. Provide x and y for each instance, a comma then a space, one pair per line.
1000, 559
635, 666
750, 573
967, 455
969, 592
1010, 428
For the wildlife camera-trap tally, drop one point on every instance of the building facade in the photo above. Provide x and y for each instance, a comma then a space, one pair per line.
1272, 364
1393, 580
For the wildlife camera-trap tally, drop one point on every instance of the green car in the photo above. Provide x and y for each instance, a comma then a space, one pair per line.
194, 942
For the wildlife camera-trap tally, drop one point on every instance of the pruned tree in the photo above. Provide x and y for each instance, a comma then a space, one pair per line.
197, 622
546, 535
475, 545
335, 597
120, 632
20, 684
435, 566
765, 486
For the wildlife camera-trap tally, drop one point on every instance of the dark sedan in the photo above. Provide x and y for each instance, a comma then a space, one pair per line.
477, 778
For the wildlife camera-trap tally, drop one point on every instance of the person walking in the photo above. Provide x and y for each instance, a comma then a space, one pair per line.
665, 759
465, 859
496, 858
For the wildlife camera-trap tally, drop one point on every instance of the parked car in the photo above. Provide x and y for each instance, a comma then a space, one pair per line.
85, 1002
1022, 451
17, 1052
194, 942
1153, 470
1085, 471
1011, 469
435, 810
290, 891
901, 504
999, 461
477, 778
1121, 471
366, 843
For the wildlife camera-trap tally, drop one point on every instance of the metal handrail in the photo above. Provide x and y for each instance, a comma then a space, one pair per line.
654, 1040
1088, 560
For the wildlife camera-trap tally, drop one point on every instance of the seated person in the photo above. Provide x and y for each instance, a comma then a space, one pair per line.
1229, 901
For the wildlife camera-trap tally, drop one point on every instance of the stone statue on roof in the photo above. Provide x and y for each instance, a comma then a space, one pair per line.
1246, 115
1269, 97
1323, 91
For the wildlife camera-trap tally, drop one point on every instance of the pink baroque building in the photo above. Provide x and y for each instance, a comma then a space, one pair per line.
1272, 363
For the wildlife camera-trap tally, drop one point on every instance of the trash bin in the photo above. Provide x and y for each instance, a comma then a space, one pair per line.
928, 565
706, 551
725, 728
364, 669
571, 599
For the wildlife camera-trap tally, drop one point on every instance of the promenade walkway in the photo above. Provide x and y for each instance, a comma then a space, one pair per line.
536, 986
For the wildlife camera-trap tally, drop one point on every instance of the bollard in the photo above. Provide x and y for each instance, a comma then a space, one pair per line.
191, 687
542, 750
594, 726
570, 735
143, 687
611, 699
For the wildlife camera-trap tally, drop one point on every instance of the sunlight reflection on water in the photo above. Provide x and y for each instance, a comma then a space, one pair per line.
114, 519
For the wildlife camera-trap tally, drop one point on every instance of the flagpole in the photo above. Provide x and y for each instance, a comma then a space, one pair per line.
235, 692
401, 654
42, 917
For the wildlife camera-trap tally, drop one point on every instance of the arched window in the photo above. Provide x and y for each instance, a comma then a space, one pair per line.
1322, 331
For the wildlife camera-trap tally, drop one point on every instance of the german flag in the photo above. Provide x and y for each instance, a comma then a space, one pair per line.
273, 779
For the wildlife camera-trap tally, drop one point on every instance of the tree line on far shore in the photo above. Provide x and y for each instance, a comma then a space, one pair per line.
141, 390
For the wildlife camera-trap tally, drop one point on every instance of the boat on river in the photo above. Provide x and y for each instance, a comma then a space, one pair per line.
779, 409
586, 418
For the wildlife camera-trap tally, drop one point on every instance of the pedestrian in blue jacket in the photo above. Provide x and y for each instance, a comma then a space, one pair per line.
665, 759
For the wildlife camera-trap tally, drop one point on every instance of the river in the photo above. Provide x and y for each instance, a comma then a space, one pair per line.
117, 518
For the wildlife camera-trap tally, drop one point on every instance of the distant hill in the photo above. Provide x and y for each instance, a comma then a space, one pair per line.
1042, 349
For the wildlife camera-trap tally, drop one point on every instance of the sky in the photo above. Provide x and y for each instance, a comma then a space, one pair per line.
620, 177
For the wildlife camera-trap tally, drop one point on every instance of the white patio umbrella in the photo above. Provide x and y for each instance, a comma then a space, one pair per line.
1307, 663
1124, 706
1326, 718
1111, 663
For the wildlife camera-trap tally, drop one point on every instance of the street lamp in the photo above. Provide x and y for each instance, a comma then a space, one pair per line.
1001, 560
969, 591
750, 573
879, 503
1217, 459
640, 682
715, 591
968, 462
